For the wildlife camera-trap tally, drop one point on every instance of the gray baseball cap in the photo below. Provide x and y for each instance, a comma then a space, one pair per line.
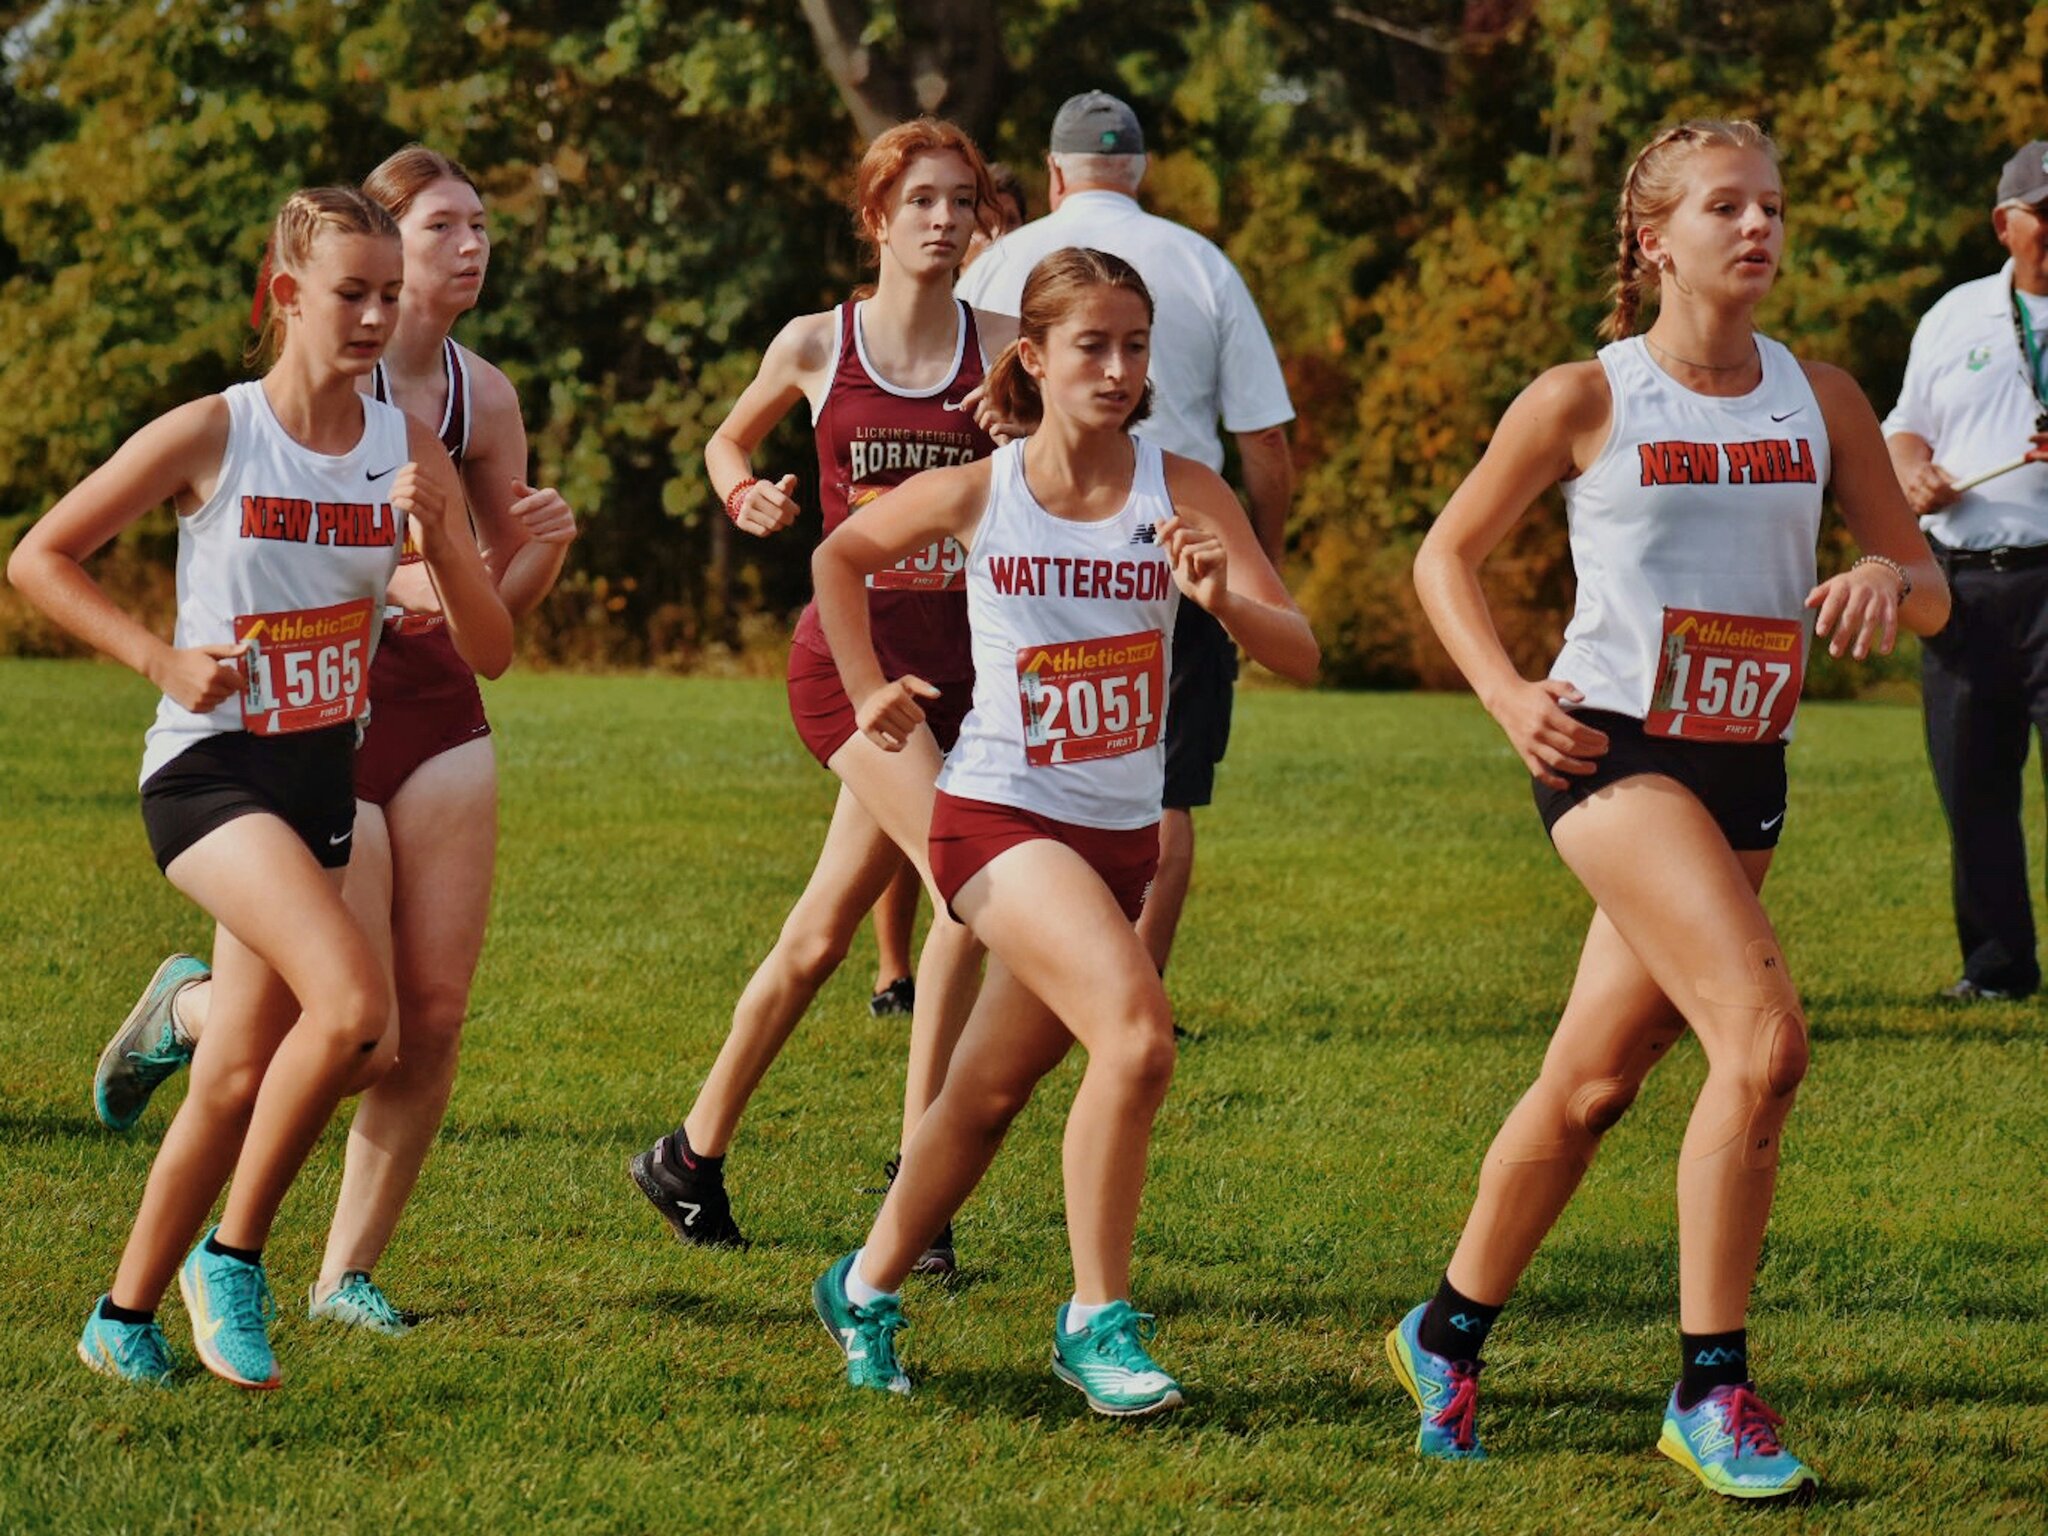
1096, 123
2024, 179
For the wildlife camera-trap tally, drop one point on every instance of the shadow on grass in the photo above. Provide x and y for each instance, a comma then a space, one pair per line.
32, 1125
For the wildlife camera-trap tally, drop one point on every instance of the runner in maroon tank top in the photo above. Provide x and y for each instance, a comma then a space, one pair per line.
886, 379
425, 775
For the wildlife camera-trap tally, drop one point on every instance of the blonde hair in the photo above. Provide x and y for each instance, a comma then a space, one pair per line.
1056, 285
1654, 185
307, 215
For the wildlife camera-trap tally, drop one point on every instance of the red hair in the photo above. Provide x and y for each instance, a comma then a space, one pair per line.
403, 176
890, 155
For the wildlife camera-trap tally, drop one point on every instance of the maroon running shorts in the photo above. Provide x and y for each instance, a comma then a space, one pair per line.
967, 834
824, 715
404, 733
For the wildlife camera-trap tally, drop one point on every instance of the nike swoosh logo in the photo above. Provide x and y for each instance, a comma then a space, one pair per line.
380, 473
1789, 414
336, 842
952, 405
1774, 821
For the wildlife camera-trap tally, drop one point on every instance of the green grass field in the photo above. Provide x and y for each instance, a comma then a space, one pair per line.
1376, 950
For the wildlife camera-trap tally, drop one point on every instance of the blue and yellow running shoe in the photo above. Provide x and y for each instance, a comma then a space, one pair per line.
125, 1351
865, 1335
146, 1049
358, 1302
1446, 1391
1729, 1441
1107, 1362
231, 1309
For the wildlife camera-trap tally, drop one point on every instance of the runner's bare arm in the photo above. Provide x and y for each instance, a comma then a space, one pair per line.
525, 532
1554, 429
1860, 607
430, 494
937, 504
1268, 466
1218, 563
792, 369
175, 458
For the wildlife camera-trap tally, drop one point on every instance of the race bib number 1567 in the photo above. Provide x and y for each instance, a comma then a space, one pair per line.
1726, 677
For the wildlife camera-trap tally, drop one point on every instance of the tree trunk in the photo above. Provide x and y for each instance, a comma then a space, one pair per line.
945, 58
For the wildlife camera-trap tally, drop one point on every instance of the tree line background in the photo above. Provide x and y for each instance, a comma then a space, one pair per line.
1420, 196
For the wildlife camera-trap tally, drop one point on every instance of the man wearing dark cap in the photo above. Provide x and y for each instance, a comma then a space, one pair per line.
1968, 440
1212, 362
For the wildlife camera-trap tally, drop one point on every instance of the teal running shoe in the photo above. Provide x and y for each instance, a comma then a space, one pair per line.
125, 1351
1107, 1363
231, 1310
147, 1048
865, 1335
1446, 1392
359, 1303
1729, 1441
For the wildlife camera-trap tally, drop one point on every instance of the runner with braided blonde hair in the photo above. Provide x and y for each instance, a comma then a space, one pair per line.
1692, 460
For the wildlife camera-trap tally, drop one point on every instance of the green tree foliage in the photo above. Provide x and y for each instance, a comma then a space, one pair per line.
1420, 195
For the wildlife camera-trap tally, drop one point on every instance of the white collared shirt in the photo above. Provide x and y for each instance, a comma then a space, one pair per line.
1966, 394
1211, 356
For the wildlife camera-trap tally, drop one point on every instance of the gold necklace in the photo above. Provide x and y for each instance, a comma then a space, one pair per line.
1703, 367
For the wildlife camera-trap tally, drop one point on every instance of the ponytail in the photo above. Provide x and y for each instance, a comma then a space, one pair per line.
1055, 286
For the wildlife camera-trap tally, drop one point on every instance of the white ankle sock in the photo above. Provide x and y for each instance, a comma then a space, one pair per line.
1080, 1314
858, 1291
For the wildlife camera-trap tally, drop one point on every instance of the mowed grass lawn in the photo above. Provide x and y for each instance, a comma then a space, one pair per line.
1377, 948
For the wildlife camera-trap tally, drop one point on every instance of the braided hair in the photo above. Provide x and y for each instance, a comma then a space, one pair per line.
307, 214
1651, 189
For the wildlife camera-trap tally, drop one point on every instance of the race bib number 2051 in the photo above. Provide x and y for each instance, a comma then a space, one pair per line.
305, 669
1085, 699
1726, 677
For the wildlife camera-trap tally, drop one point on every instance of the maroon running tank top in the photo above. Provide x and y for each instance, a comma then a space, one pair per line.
416, 658
872, 436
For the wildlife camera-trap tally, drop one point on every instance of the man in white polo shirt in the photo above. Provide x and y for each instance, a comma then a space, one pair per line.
1211, 361
1968, 439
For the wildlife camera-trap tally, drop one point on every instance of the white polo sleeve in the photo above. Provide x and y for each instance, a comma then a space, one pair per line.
1915, 411
1250, 387
992, 283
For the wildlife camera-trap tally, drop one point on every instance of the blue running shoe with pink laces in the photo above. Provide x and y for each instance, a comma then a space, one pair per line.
1729, 1441
1446, 1391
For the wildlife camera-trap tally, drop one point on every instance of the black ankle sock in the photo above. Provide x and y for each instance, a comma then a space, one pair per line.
1710, 1360
114, 1314
246, 1255
1455, 1326
688, 1160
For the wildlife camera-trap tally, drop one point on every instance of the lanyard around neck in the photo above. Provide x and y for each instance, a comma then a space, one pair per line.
2030, 352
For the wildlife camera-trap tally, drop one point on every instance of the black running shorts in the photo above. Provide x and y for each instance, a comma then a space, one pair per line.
1741, 785
1198, 707
306, 780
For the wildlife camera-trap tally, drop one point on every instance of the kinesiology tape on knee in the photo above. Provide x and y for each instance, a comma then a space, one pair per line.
1777, 1054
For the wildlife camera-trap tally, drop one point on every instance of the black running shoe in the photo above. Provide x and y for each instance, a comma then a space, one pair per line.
899, 997
691, 1199
939, 1261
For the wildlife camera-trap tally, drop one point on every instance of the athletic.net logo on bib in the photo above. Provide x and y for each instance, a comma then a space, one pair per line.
1725, 677
304, 669
1088, 699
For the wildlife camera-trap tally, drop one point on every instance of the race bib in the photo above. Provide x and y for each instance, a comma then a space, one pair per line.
1726, 677
1085, 699
938, 567
305, 669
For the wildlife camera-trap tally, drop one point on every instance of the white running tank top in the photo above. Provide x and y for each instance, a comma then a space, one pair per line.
1072, 624
1696, 502
292, 552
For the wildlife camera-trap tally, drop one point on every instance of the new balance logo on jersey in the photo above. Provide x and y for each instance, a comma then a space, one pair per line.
1720, 1354
1146, 533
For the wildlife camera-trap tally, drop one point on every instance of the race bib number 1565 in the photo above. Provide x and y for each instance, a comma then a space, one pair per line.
305, 669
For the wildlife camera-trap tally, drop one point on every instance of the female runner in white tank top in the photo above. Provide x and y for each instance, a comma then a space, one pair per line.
1081, 541
294, 494
426, 830
901, 362
1693, 460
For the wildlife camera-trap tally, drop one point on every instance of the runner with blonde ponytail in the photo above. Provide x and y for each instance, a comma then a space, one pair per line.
1662, 725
